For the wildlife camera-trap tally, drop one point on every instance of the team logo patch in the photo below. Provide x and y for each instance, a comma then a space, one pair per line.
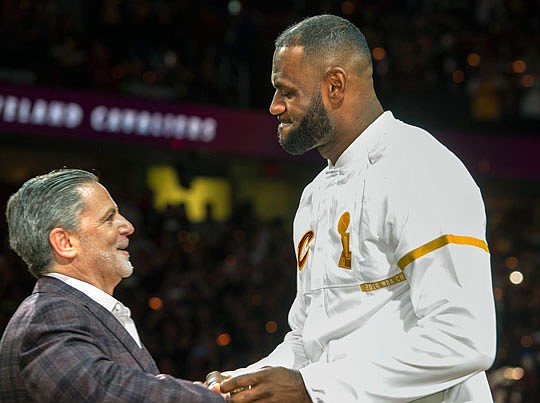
343, 224
303, 248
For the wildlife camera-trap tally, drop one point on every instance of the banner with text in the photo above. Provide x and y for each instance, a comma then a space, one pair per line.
46, 111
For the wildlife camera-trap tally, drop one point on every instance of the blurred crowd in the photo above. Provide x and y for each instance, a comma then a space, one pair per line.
474, 60
514, 238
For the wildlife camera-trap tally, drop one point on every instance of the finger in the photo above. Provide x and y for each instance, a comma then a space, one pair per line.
243, 395
237, 383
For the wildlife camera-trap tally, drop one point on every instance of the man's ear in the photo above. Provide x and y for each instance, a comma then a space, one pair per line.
63, 242
336, 82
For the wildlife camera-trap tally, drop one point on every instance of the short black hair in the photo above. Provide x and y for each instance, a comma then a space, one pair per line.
326, 35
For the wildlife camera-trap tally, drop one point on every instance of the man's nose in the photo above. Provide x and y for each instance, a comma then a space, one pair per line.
277, 107
126, 227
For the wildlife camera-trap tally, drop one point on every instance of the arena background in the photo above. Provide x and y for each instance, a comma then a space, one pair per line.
167, 101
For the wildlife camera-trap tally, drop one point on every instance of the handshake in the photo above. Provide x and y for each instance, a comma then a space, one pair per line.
269, 384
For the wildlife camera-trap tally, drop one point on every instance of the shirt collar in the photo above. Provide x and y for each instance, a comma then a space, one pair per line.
100, 296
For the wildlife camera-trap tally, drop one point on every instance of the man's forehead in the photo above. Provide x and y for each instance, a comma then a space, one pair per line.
289, 54
288, 61
95, 196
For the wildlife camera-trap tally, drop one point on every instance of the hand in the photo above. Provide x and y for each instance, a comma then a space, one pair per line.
270, 385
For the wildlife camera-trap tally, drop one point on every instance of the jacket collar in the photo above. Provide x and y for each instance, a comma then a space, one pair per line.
46, 284
369, 144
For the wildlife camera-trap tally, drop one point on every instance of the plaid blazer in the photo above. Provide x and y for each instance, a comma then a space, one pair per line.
61, 346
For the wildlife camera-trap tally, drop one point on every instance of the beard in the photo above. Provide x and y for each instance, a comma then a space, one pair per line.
313, 127
126, 269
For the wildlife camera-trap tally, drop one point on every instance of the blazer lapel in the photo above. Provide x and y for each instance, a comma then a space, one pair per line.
140, 354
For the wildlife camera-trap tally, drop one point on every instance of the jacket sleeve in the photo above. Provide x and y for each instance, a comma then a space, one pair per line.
62, 361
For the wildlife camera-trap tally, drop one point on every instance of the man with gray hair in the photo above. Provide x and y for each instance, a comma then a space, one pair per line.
394, 299
71, 340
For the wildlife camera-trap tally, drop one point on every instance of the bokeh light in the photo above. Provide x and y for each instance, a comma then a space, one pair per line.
155, 303
458, 76
347, 7
514, 373
473, 59
527, 80
271, 326
234, 7
519, 66
516, 277
223, 339
378, 53
511, 262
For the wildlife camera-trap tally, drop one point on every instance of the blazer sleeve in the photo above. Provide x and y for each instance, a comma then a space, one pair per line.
64, 359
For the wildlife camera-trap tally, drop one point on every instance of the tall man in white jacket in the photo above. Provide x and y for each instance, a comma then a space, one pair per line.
394, 297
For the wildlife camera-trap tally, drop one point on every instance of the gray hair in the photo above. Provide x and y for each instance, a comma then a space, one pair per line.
327, 35
41, 204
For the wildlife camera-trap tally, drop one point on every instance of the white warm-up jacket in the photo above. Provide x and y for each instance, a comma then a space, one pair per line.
394, 297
